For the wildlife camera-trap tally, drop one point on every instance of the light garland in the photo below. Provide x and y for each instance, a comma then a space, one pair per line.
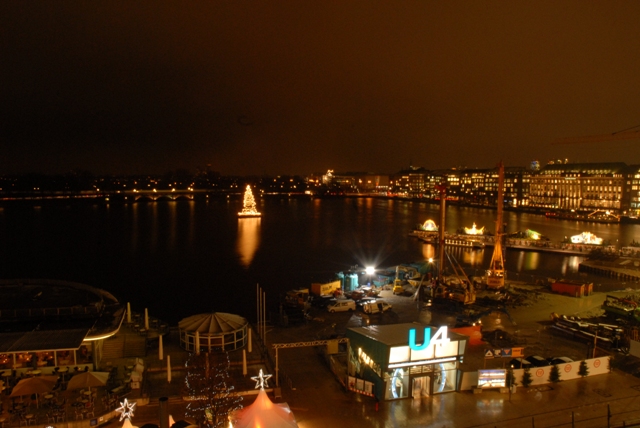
249, 205
210, 394
261, 380
126, 409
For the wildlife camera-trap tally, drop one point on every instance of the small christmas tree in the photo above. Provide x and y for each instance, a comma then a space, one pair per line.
554, 374
526, 377
583, 370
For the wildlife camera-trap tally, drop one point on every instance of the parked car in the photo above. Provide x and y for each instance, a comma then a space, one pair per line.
537, 361
375, 307
342, 305
520, 363
322, 301
559, 360
365, 300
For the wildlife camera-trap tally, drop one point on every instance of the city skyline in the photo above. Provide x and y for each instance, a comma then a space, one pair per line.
254, 88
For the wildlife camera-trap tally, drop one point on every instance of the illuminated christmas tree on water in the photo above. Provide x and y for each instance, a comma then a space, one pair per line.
249, 209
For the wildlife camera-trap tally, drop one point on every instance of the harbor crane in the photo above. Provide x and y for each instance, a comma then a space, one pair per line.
625, 134
496, 272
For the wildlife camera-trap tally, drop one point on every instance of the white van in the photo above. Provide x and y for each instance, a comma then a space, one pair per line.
342, 305
375, 307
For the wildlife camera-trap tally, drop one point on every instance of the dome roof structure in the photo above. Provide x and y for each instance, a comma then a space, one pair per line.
213, 331
214, 323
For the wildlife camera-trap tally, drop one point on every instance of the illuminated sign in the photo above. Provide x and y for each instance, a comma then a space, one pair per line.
440, 338
492, 378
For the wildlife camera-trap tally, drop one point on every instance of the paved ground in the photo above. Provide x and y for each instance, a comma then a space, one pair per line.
318, 400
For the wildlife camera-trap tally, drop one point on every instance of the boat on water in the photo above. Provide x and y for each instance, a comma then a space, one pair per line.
607, 335
464, 242
629, 219
597, 216
619, 307
473, 230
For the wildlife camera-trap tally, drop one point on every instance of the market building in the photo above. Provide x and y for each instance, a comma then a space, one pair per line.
395, 361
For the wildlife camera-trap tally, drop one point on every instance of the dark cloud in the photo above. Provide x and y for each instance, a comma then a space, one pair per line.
295, 87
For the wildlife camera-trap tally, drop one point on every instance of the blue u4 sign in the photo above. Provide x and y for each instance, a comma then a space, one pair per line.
440, 338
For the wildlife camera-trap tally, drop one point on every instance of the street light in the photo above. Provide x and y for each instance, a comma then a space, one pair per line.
370, 270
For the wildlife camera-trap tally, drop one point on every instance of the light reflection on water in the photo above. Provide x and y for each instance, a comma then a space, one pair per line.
131, 248
248, 239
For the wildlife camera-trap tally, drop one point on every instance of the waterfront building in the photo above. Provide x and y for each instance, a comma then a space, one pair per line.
49, 325
631, 194
579, 187
410, 182
404, 360
371, 183
473, 186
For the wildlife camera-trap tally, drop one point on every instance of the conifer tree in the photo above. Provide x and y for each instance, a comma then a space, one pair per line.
554, 374
583, 370
526, 377
211, 390
249, 202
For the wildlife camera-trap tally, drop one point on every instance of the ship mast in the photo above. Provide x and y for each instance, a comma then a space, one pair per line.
443, 200
496, 272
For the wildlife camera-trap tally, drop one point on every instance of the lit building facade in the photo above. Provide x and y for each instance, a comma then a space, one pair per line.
579, 187
395, 361
631, 193
410, 182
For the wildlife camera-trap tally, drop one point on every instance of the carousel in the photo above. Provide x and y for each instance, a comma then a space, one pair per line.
216, 331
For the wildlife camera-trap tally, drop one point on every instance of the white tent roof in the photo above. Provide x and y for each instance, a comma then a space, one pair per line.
264, 413
213, 324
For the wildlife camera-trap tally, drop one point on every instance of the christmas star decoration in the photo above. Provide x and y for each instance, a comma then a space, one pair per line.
261, 380
126, 409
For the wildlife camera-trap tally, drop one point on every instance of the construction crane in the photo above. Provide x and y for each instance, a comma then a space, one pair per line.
496, 273
625, 134
458, 290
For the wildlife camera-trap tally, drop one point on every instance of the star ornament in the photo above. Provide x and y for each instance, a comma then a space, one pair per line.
261, 380
126, 409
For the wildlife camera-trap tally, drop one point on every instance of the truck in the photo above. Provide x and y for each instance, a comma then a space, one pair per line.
325, 289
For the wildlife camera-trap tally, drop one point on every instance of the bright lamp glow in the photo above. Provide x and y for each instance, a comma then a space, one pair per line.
369, 270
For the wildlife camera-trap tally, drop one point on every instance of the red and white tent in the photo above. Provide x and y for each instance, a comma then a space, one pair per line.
264, 413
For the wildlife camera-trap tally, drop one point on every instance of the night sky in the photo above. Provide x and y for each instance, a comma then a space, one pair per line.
295, 87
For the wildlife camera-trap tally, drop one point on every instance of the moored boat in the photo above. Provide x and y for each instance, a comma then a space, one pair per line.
624, 308
594, 217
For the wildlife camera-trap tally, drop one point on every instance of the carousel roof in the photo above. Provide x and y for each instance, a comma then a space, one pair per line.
214, 323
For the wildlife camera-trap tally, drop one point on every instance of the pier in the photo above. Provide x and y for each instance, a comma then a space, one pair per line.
622, 269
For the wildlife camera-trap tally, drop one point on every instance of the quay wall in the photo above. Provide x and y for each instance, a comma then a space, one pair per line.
597, 268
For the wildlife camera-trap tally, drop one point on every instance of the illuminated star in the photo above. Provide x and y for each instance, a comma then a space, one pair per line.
126, 409
261, 380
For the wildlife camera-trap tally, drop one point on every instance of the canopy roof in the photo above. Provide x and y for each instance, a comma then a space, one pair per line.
398, 334
214, 324
264, 413
42, 340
